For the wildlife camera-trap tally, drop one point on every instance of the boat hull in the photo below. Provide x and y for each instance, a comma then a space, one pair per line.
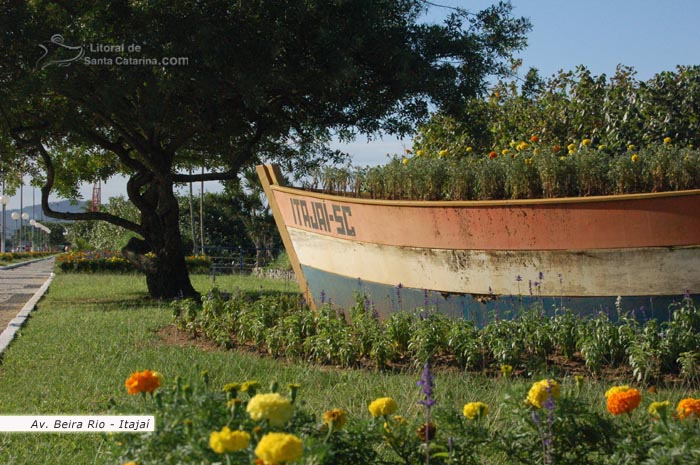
483, 260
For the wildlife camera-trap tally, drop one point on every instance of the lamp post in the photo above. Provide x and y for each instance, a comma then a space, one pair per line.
25, 216
4, 200
32, 223
15, 216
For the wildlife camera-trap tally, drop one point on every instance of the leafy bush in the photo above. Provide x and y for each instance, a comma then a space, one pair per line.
283, 326
97, 262
527, 171
551, 424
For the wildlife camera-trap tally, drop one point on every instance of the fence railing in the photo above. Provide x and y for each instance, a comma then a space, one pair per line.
240, 260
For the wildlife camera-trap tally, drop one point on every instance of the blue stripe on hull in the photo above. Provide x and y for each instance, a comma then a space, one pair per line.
342, 291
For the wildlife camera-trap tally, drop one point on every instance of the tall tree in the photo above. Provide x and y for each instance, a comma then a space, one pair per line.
90, 89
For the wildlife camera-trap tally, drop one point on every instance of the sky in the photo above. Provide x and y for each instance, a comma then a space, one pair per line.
649, 35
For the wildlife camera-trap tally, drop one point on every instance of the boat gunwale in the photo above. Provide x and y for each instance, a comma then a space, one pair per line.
485, 203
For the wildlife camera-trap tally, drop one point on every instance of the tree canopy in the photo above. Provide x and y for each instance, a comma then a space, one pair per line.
152, 88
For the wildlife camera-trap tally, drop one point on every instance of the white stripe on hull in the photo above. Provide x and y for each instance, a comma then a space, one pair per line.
585, 273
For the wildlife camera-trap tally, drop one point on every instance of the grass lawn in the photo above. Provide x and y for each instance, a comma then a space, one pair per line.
91, 331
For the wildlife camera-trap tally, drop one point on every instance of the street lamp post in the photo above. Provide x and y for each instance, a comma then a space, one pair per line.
25, 216
4, 200
32, 223
15, 216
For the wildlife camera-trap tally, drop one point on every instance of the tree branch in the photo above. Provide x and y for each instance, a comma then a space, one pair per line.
46, 191
117, 148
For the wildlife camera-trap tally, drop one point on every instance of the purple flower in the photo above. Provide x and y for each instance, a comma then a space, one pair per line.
541, 276
398, 294
518, 278
426, 382
323, 297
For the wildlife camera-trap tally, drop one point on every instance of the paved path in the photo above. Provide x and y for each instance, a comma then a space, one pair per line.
18, 285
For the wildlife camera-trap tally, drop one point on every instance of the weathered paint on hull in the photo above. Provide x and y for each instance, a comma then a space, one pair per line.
644, 247
386, 299
586, 273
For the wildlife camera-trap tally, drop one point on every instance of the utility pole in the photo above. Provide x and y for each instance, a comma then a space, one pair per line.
194, 239
201, 214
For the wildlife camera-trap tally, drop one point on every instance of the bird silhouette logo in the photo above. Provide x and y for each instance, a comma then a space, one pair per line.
56, 52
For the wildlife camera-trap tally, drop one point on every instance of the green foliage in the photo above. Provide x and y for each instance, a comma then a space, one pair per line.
283, 326
567, 430
570, 106
98, 262
100, 235
526, 171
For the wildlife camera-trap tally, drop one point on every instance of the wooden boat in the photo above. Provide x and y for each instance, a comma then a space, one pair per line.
484, 259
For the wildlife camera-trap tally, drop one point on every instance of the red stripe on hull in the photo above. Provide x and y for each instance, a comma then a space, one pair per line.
555, 224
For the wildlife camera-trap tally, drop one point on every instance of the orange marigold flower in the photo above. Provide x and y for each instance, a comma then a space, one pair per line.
143, 381
624, 401
688, 407
493, 155
556, 148
534, 139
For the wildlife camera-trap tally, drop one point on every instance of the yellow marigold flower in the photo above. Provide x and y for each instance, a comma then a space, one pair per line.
232, 387
505, 151
335, 418
250, 386
615, 389
571, 152
522, 146
667, 140
541, 390
623, 401
586, 142
442, 153
143, 381
635, 158
513, 144
630, 147
562, 158
405, 161
506, 370
130, 463
658, 409
228, 441
528, 161
688, 407
275, 448
536, 151
475, 409
273, 407
571, 147
419, 153
602, 147
469, 149
383, 406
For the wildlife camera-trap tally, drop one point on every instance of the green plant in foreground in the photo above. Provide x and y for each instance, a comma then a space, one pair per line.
240, 423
